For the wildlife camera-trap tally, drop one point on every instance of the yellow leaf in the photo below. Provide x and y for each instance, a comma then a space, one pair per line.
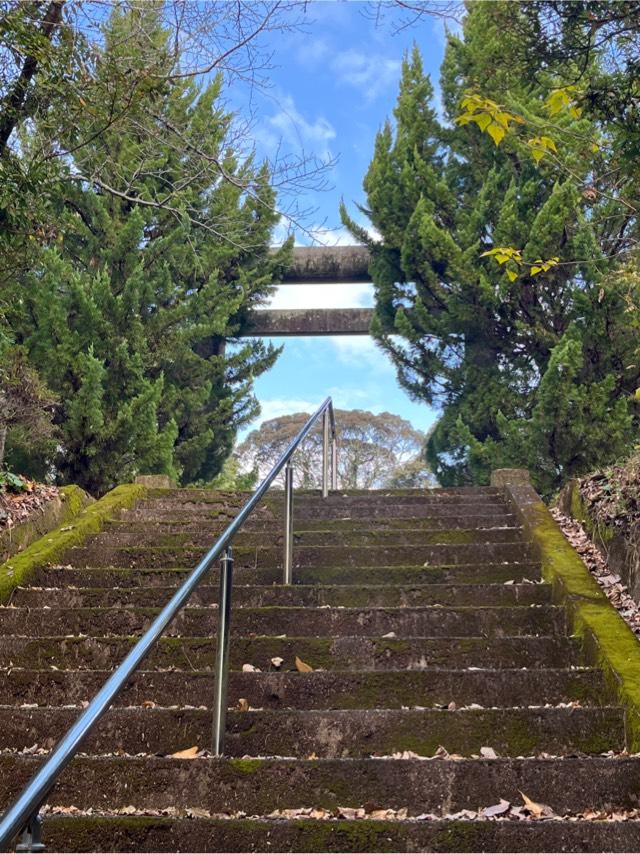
483, 120
303, 667
575, 112
496, 133
536, 270
548, 143
537, 154
595, 148
638, 394
464, 119
502, 258
189, 753
512, 275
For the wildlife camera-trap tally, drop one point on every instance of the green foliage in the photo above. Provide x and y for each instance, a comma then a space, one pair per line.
13, 482
493, 288
126, 315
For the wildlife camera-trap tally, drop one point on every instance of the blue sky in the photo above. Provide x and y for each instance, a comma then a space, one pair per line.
332, 87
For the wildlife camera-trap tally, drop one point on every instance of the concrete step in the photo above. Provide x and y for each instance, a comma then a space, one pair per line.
274, 498
312, 556
316, 512
471, 573
156, 833
427, 621
364, 537
318, 690
255, 786
328, 734
352, 654
255, 596
143, 520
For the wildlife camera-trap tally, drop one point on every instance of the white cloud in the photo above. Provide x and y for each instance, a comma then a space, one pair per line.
298, 132
322, 296
311, 51
361, 352
371, 74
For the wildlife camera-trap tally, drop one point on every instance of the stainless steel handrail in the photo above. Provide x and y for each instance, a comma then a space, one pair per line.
23, 813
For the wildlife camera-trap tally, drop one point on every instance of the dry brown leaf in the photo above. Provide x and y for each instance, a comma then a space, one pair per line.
189, 753
243, 705
302, 666
130, 810
488, 753
148, 704
249, 668
277, 662
536, 810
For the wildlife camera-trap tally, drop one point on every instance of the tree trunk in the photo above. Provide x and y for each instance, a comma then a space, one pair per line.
3, 439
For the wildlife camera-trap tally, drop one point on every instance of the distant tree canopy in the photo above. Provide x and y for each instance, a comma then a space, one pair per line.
125, 307
374, 451
531, 356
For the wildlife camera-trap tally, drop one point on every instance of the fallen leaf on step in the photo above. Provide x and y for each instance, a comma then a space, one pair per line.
488, 753
243, 705
452, 706
313, 755
350, 813
277, 662
249, 668
148, 704
302, 666
130, 810
536, 810
496, 809
189, 753
197, 812
389, 635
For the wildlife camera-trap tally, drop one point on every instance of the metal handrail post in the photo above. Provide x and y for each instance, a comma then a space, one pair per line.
325, 454
334, 463
288, 524
222, 652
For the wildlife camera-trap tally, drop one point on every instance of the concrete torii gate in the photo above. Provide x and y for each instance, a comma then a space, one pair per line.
318, 266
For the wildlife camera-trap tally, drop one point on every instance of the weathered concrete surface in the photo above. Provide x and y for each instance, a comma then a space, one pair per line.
328, 734
329, 265
260, 786
146, 833
390, 689
298, 595
345, 654
427, 621
308, 321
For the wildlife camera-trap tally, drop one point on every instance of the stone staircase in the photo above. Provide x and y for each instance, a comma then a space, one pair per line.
429, 634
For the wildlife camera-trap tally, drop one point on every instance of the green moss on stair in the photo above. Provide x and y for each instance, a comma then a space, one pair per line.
607, 640
51, 548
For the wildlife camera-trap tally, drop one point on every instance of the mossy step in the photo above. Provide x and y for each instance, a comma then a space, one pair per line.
311, 595
472, 573
215, 495
183, 497
154, 833
318, 512
143, 520
352, 654
313, 556
427, 621
567, 785
371, 537
328, 734
317, 690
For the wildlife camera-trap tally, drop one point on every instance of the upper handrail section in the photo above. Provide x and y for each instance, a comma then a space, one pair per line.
23, 813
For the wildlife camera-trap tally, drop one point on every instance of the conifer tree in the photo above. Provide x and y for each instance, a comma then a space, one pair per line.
126, 317
466, 334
